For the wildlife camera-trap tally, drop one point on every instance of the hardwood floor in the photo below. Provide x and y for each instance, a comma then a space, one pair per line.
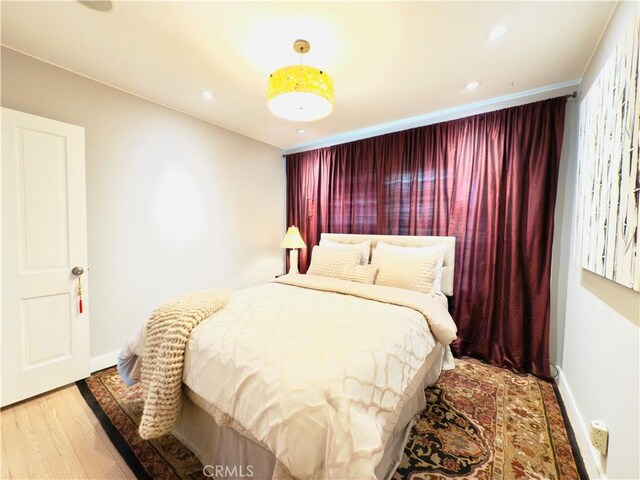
56, 435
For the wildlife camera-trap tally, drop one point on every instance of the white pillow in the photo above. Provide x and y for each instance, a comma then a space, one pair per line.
328, 262
411, 272
364, 248
359, 273
437, 250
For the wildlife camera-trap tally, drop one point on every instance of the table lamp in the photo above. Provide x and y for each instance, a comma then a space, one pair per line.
293, 240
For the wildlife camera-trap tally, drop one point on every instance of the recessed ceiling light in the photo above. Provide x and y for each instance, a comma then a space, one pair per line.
98, 5
472, 85
207, 94
497, 32
301, 131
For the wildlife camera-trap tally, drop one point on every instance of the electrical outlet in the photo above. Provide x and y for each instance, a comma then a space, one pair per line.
599, 436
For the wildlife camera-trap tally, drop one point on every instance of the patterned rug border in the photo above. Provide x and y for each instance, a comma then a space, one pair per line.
575, 450
129, 456
112, 432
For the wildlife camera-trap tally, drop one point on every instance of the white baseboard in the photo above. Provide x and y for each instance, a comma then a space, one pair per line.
590, 455
104, 361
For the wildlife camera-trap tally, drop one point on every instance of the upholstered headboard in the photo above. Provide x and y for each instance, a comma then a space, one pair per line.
408, 241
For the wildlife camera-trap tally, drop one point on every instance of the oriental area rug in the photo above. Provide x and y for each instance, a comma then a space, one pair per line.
481, 422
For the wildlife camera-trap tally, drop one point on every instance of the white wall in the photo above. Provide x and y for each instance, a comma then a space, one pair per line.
562, 234
174, 204
600, 362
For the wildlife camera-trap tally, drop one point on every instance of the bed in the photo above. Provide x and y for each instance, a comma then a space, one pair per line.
311, 377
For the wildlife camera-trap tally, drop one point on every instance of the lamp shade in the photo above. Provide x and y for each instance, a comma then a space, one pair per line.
293, 239
300, 93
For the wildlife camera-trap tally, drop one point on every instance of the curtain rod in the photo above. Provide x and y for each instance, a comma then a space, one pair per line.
568, 96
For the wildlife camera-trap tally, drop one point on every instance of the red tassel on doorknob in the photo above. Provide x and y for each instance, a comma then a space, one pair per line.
79, 292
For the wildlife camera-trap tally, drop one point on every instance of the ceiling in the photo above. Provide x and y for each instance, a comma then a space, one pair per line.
388, 60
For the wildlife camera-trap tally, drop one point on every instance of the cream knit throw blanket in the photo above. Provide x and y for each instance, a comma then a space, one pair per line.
167, 332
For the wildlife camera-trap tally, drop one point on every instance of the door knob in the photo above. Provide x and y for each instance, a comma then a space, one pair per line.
77, 271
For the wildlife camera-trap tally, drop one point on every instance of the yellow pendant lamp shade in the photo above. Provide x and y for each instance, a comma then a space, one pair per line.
300, 92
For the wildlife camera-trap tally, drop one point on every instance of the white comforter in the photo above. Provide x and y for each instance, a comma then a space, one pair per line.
316, 376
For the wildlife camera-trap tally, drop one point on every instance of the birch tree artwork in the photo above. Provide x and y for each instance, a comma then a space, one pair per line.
609, 179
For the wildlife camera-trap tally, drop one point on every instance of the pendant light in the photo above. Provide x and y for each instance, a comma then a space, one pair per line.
300, 92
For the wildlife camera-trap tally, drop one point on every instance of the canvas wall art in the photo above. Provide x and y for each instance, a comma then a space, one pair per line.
609, 179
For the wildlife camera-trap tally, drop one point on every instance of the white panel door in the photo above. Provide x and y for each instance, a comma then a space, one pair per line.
45, 338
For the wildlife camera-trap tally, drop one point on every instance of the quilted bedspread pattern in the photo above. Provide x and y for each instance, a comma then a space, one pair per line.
293, 366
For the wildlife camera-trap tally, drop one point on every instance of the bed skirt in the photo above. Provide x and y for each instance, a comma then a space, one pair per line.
228, 454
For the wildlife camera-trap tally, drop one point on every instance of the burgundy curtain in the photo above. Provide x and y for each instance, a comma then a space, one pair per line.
489, 180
